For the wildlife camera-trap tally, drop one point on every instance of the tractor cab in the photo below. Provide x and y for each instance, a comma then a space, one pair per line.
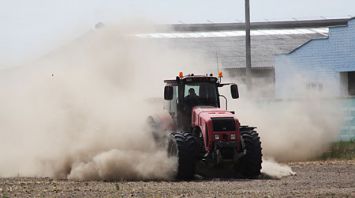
186, 92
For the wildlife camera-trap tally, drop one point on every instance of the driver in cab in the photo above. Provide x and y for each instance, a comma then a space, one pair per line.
192, 99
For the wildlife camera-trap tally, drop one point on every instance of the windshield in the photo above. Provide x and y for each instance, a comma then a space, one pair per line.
205, 93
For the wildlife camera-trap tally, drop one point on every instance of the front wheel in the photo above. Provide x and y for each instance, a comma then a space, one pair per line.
184, 145
249, 165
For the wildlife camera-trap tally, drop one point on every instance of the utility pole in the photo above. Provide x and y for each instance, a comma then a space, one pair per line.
247, 46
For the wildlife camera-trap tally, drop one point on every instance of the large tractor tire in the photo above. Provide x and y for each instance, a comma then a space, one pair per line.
249, 165
187, 146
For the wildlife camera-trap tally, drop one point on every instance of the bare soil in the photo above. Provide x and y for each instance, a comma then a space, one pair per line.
313, 179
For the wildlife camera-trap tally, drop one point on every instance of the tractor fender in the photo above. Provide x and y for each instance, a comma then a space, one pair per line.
246, 128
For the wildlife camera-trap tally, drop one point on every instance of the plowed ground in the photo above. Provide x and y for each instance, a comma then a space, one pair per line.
313, 179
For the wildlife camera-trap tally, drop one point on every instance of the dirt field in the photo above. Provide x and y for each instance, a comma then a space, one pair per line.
313, 179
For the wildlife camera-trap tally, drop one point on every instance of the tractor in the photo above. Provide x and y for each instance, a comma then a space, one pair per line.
207, 139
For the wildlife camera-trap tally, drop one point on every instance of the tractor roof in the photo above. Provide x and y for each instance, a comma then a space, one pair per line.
192, 78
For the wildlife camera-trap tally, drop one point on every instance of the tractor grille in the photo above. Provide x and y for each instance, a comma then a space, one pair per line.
223, 124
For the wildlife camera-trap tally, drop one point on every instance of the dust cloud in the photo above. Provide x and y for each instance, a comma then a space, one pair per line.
80, 111
295, 127
276, 170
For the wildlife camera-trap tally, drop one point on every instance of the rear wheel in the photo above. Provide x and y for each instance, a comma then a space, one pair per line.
249, 165
186, 152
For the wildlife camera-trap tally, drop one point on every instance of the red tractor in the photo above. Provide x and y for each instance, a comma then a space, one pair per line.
207, 139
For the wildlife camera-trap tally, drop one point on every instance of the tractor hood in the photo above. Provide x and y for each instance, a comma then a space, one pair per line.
202, 115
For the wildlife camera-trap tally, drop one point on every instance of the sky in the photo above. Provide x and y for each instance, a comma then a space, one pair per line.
31, 28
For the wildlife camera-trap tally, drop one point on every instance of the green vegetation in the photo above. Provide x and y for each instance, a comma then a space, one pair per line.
4, 196
340, 150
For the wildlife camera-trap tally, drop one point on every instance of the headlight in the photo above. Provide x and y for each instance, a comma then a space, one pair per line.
232, 136
216, 137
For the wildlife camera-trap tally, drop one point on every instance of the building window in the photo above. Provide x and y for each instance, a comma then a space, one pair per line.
351, 83
348, 83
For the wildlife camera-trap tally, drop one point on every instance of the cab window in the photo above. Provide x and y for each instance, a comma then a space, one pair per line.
206, 92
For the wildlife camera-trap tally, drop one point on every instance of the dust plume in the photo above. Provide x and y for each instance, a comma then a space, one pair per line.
276, 170
80, 111
295, 124
293, 130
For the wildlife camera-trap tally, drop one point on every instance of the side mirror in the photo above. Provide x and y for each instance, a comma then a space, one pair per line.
234, 91
168, 92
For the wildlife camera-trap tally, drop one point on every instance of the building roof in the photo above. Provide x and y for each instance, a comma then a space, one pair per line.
258, 25
225, 42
